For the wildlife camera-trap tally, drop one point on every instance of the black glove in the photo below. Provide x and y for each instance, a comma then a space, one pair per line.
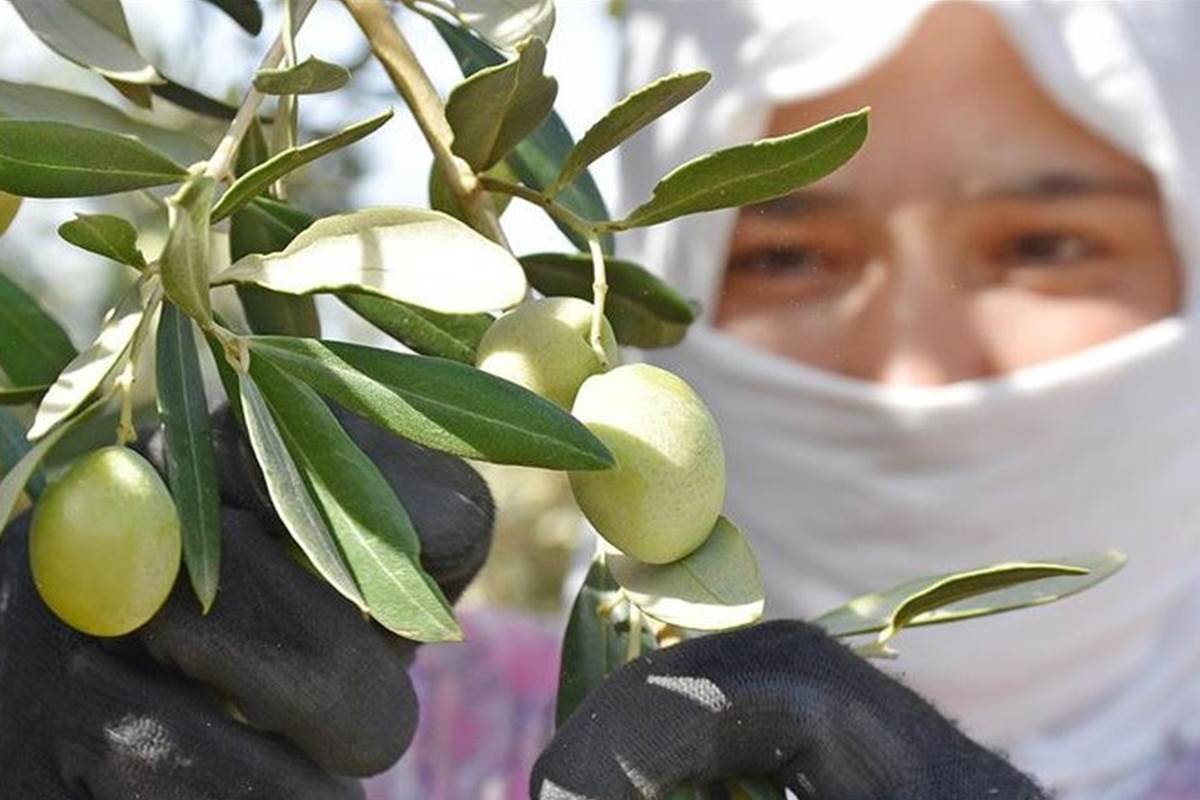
779, 700
325, 691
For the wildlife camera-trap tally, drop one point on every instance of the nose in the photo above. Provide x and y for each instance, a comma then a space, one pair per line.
918, 316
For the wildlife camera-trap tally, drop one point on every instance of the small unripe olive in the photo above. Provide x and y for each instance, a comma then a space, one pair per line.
545, 346
662, 498
104, 546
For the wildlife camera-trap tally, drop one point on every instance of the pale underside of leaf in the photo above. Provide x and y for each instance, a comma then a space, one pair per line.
715, 587
311, 76
290, 496
505, 23
93, 34
91, 368
413, 255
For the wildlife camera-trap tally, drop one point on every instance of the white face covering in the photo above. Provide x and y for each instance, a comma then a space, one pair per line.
846, 487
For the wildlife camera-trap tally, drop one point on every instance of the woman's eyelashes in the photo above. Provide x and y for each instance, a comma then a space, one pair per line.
1048, 248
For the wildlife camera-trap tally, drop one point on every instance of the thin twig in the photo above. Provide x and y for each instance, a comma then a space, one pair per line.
222, 158
414, 85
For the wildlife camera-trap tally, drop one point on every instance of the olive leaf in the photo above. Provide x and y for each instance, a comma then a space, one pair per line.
54, 159
35, 348
93, 34
414, 255
310, 76
26, 101
290, 496
538, 158
505, 23
95, 365
751, 173
496, 107
440, 403
626, 118
248, 185
25, 470
973, 593
593, 646
20, 395
643, 310
246, 13
13, 447
105, 235
429, 333
184, 259
267, 226
369, 522
191, 465
442, 197
715, 587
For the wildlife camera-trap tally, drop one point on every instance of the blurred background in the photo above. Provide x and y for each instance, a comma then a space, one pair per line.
198, 46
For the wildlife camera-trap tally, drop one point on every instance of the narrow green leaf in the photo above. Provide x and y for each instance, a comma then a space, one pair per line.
246, 13
184, 259
715, 587
92, 33
256, 180
496, 107
52, 159
752, 173
253, 150
20, 395
10, 204
91, 368
36, 348
593, 646
414, 255
265, 226
874, 612
440, 403
643, 310
628, 117
13, 447
310, 76
24, 471
290, 496
429, 333
191, 466
365, 516
194, 100
539, 157
29, 102
506, 24
104, 235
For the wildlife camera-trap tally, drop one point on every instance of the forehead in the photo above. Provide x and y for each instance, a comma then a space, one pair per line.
954, 110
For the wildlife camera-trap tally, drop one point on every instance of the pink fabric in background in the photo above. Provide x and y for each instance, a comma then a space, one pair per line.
487, 710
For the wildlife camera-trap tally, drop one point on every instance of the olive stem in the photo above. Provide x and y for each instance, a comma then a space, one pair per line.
222, 158
288, 114
633, 648
599, 294
412, 82
564, 215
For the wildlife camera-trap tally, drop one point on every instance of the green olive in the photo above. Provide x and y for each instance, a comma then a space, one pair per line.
104, 546
544, 345
662, 498
9, 205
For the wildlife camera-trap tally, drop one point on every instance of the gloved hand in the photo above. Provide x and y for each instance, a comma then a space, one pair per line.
780, 700
325, 691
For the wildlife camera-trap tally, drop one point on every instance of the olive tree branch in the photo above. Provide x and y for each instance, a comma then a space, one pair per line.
411, 81
564, 215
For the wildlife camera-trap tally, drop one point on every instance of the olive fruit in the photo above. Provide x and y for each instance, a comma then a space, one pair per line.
104, 545
9, 205
545, 346
662, 498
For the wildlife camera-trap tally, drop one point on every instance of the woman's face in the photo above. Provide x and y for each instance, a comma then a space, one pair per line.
979, 230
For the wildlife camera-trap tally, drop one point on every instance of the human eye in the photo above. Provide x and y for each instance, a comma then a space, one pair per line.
1040, 248
783, 260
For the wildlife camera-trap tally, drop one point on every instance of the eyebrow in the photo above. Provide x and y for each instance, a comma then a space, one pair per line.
1039, 186
1062, 185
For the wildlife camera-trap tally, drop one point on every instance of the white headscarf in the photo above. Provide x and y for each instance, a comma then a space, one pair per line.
846, 487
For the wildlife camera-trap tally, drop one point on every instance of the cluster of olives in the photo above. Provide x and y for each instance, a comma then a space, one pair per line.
662, 498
